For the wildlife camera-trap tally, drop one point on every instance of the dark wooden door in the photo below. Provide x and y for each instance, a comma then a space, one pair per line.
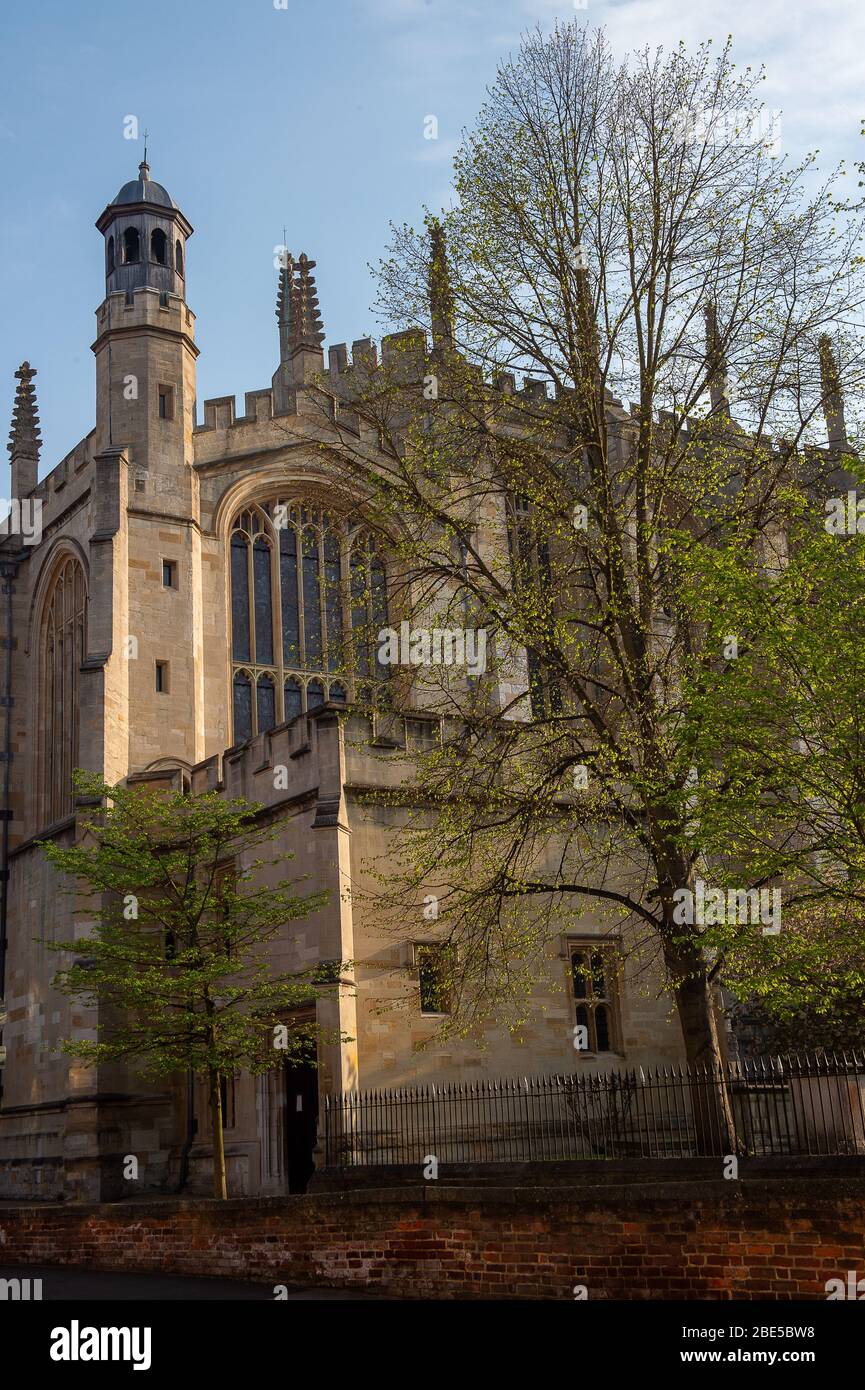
301, 1122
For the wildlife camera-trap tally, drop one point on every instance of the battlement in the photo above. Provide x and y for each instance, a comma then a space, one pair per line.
311, 755
410, 350
66, 471
219, 412
687, 428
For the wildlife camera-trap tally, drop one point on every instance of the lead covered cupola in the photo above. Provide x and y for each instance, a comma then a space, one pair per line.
145, 238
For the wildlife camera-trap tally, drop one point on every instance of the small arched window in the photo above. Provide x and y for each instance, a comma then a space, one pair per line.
308, 596
131, 246
178, 257
158, 246
109, 255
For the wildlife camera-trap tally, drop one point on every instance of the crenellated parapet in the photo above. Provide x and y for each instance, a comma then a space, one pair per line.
312, 759
60, 492
220, 412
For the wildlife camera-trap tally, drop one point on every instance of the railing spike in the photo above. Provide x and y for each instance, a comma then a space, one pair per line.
605, 1109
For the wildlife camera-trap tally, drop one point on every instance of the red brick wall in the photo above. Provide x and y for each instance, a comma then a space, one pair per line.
778, 1239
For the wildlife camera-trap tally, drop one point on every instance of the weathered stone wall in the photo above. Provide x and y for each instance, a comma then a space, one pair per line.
397, 1044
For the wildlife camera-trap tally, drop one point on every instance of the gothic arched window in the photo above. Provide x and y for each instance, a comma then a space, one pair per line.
178, 257
308, 596
131, 246
63, 638
158, 246
109, 255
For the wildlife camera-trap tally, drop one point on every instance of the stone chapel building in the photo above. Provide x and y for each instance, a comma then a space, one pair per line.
165, 628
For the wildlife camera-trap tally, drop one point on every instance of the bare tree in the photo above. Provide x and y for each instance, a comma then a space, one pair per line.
622, 233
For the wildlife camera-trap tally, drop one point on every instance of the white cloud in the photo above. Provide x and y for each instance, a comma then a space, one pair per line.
434, 151
812, 53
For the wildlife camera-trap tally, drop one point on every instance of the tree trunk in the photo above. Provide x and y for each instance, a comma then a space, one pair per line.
219, 1184
712, 1106
695, 1007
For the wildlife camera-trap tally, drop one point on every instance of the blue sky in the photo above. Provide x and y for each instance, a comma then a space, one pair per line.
311, 117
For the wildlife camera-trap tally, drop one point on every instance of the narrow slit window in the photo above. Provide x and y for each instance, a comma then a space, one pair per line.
166, 402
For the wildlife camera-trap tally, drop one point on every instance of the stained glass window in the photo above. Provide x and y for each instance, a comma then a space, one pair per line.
266, 706
333, 599
63, 646
242, 706
263, 603
359, 614
308, 596
239, 597
293, 701
288, 591
311, 600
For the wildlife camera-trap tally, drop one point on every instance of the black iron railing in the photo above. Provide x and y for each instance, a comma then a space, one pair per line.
792, 1105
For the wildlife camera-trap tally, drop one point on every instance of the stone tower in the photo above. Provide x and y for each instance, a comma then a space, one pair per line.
145, 414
